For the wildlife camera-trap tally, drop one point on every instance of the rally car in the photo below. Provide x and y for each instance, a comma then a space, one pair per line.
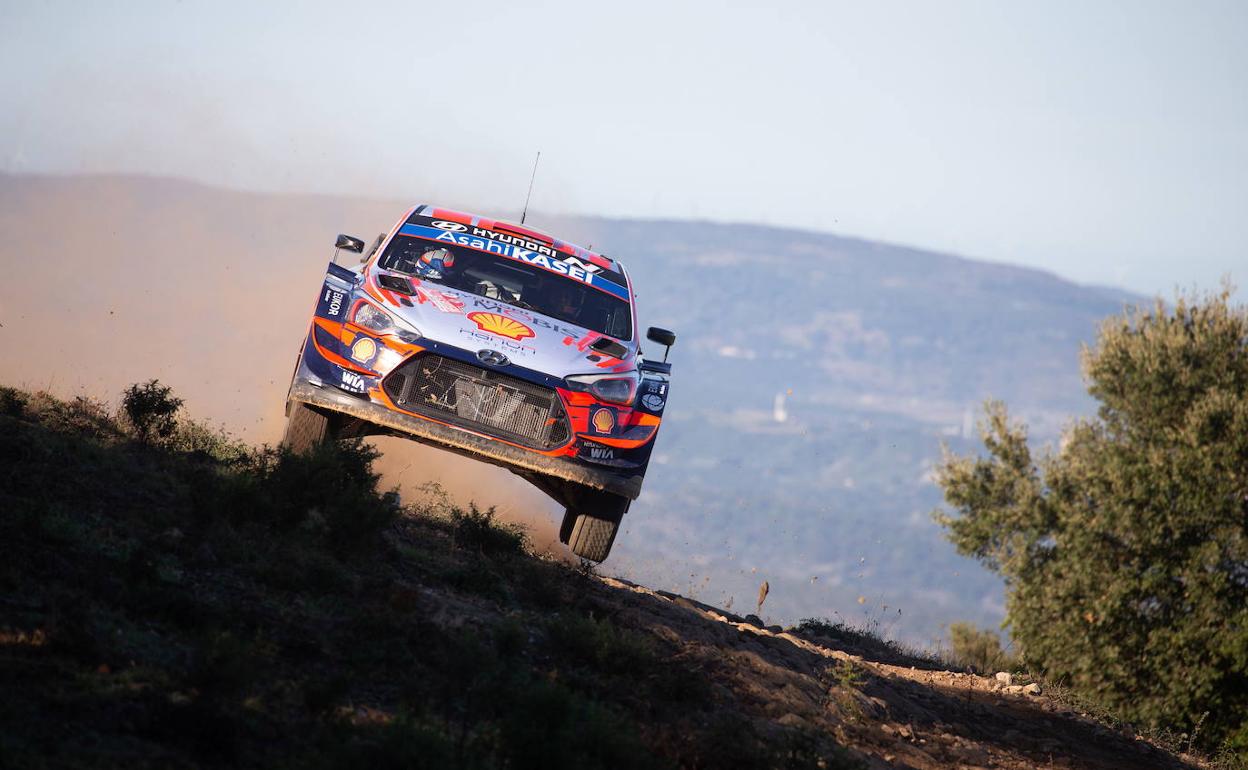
496, 341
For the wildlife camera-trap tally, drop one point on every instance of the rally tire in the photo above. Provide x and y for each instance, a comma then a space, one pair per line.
591, 538
306, 429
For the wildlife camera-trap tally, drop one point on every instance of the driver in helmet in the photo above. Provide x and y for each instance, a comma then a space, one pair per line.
435, 263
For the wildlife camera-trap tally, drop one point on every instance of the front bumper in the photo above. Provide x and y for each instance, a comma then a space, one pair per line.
305, 388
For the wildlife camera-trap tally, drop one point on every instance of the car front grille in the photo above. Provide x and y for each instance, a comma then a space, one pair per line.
479, 399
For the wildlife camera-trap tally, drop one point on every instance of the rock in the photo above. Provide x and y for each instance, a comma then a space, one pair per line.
1005, 678
1031, 689
754, 620
1014, 689
792, 720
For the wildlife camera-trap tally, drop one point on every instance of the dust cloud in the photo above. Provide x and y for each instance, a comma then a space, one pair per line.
113, 280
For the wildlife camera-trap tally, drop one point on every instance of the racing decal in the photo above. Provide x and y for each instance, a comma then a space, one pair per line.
500, 325
515, 240
544, 256
352, 382
512, 348
495, 306
441, 300
584, 342
603, 420
599, 452
654, 395
331, 302
364, 349
595, 344
588, 267
454, 227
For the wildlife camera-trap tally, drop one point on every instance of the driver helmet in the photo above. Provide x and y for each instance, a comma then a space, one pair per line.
435, 263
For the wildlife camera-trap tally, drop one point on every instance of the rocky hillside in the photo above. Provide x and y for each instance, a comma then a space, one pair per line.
172, 598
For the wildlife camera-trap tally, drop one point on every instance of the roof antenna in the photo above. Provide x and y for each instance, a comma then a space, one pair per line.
525, 213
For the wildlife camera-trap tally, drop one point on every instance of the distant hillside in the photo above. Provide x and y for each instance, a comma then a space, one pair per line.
879, 352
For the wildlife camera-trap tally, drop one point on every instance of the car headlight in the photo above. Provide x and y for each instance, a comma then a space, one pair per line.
375, 319
612, 388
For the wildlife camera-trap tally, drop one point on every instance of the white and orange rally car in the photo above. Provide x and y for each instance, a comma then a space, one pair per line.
496, 341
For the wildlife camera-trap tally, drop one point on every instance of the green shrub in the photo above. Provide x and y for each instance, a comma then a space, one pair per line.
329, 493
12, 402
151, 409
478, 530
1124, 551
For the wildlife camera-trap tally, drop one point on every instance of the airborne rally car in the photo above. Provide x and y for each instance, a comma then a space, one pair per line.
495, 341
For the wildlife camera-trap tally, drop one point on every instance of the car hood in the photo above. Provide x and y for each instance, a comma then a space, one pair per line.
528, 339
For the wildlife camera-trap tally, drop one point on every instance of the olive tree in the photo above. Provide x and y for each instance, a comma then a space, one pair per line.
1125, 551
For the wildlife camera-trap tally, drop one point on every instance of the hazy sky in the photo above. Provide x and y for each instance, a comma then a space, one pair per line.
1105, 141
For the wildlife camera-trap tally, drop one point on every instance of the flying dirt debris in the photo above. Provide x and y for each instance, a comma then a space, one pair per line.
495, 341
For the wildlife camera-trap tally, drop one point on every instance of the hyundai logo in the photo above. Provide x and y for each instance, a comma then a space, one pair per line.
454, 227
492, 358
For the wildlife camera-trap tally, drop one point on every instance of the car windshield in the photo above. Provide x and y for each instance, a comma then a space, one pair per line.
525, 286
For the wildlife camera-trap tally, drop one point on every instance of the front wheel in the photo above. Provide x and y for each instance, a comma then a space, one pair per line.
591, 521
306, 429
590, 537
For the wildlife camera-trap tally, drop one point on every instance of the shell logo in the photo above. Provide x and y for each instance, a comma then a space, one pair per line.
500, 325
363, 349
603, 421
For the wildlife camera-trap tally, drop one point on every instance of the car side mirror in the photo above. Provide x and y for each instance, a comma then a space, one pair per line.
663, 337
349, 243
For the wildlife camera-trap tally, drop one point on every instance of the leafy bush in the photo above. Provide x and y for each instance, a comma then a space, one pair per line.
1125, 553
151, 409
478, 530
12, 402
332, 488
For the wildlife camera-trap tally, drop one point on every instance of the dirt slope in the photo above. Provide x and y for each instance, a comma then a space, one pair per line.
193, 602
892, 711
